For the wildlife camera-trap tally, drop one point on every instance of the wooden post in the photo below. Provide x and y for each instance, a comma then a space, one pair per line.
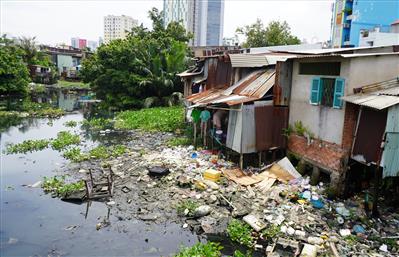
260, 158
241, 161
195, 134
377, 178
315, 176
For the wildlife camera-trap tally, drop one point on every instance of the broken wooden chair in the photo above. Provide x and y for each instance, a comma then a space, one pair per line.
98, 190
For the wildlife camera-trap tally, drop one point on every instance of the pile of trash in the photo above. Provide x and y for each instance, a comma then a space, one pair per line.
154, 181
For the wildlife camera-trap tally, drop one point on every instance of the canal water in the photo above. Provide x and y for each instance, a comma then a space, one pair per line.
35, 224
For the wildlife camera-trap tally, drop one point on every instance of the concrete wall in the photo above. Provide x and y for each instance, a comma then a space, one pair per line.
379, 39
64, 61
326, 122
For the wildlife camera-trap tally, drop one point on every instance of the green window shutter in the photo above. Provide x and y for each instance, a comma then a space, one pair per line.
339, 90
315, 91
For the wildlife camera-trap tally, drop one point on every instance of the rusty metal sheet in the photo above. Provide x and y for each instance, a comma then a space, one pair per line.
219, 72
369, 135
257, 87
270, 122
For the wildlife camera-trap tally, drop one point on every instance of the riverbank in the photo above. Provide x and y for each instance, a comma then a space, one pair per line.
185, 201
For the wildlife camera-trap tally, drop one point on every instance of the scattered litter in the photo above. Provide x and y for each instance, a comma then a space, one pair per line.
125, 189
309, 251
383, 248
158, 171
344, 232
254, 222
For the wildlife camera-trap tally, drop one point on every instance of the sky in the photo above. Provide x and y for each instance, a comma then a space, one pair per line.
57, 21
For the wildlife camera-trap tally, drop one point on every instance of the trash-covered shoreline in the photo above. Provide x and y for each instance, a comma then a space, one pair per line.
211, 192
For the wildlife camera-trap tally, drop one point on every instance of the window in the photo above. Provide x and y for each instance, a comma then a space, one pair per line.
327, 92
320, 68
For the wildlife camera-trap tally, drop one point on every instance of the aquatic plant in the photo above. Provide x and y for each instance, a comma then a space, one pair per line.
71, 123
64, 139
75, 155
209, 249
98, 123
58, 186
28, 146
117, 150
240, 232
188, 205
100, 152
165, 119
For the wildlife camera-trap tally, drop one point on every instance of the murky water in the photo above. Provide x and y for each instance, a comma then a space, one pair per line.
33, 223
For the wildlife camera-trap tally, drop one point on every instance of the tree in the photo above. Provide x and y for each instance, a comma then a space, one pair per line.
14, 75
126, 71
276, 33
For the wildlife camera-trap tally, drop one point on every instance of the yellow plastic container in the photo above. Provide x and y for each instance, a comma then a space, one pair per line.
212, 175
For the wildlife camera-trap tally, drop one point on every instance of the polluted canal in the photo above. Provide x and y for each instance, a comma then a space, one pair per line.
34, 223
78, 186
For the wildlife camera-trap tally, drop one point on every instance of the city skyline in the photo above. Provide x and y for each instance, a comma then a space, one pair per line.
91, 14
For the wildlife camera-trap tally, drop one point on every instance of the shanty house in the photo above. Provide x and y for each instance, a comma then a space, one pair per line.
323, 124
242, 86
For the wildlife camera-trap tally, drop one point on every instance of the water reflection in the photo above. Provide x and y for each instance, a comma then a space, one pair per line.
34, 223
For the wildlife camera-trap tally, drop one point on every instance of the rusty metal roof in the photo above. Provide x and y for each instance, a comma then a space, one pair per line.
378, 96
251, 88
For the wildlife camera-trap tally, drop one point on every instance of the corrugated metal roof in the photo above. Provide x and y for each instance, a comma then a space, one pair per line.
378, 102
251, 88
330, 50
378, 96
248, 60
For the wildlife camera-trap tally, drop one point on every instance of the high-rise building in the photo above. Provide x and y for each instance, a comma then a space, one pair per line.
117, 27
92, 45
203, 18
78, 42
75, 42
351, 17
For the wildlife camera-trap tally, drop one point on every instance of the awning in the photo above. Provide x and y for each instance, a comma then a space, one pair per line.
378, 102
378, 95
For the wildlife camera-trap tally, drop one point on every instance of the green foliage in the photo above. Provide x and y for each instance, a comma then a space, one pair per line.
240, 232
98, 123
71, 123
64, 139
302, 130
166, 119
209, 249
28, 146
238, 253
276, 33
100, 152
184, 205
178, 141
75, 155
32, 57
126, 71
14, 75
271, 232
58, 186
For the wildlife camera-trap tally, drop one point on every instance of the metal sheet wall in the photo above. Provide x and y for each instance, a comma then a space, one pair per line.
270, 122
391, 151
369, 135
